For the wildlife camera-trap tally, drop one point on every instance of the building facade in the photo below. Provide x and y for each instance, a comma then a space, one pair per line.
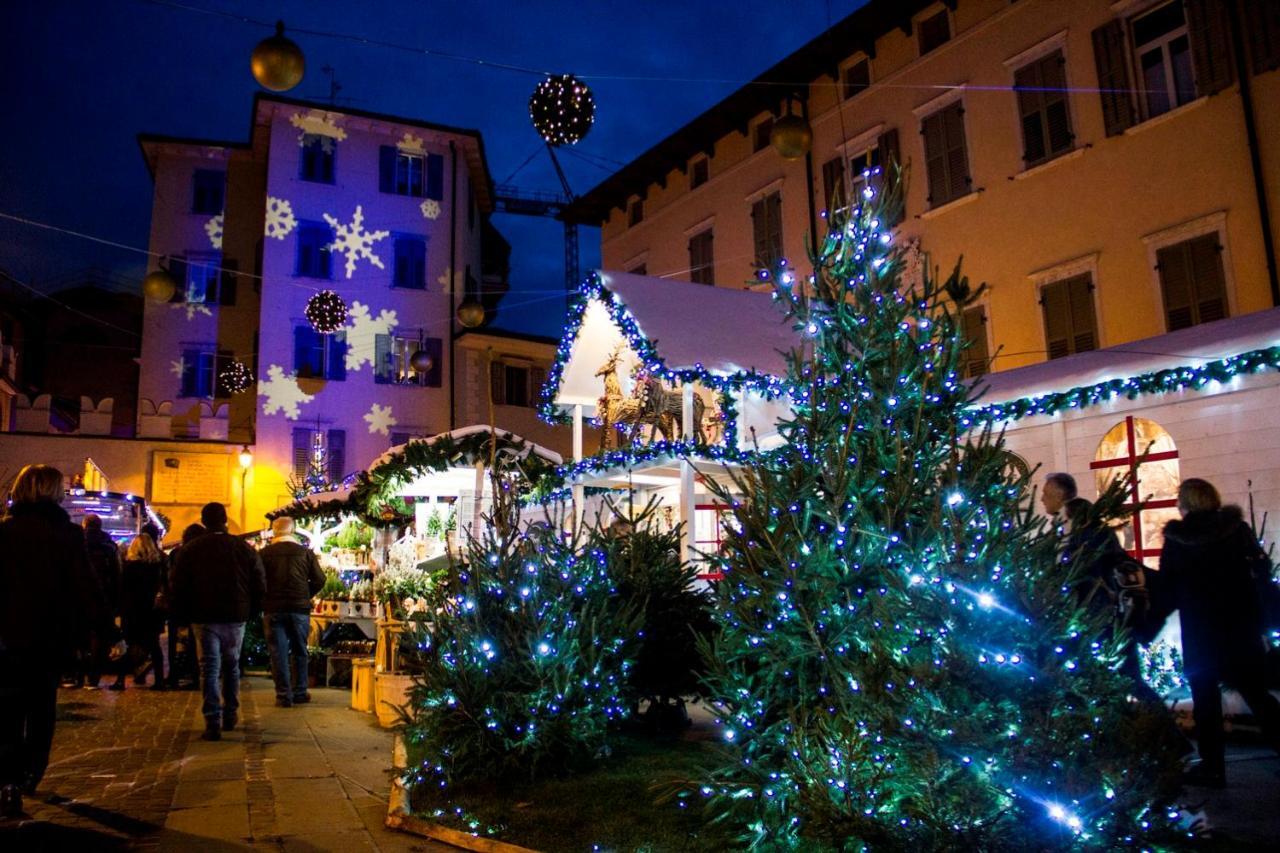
386, 212
1110, 169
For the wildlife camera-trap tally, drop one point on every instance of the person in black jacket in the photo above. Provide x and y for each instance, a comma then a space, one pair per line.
1206, 574
293, 577
186, 662
104, 562
217, 586
49, 602
140, 619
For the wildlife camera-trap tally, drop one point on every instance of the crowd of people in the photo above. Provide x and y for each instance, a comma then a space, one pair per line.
105, 614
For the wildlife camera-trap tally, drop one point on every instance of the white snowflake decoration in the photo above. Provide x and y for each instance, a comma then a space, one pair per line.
380, 419
282, 393
355, 242
192, 308
363, 331
214, 229
446, 280
179, 367
318, 123
411, 144
280, 221
430, 208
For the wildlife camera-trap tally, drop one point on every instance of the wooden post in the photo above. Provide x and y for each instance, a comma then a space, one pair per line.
686, 473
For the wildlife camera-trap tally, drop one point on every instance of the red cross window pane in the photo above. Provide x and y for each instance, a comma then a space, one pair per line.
1145, 449
708, 532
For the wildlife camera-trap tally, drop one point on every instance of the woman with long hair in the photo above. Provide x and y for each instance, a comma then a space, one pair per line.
140, 618
50, 602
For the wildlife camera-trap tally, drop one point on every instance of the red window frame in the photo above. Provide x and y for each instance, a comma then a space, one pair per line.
719, 509
1133, 461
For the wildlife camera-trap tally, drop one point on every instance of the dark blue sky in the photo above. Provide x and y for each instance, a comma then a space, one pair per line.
81, 78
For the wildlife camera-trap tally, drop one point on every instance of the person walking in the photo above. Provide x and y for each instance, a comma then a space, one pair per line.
140, 619
1207, 570
218, 584
104, 562
293, 577
50, 602
184, 664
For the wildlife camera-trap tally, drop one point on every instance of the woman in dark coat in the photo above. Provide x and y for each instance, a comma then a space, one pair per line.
1206, 573
50, 601
140, 582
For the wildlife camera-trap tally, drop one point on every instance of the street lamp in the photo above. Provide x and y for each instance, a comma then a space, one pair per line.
246, 462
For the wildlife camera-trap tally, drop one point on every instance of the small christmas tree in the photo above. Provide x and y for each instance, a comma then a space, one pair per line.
903, 662
317, 477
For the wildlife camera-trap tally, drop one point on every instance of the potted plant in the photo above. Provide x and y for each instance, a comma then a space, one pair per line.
361, 594
332, 593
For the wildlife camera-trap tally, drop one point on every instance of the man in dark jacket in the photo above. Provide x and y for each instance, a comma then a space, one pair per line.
1206, 573
104, 563
293, 577
218, 584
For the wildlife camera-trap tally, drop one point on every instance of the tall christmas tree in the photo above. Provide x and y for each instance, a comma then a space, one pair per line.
903, 661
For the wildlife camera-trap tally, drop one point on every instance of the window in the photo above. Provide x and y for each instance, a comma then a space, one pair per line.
1146, 450
977, 357
328, 447
699, 172
202, 372
761, 133
393, 361
946, 156
1042, 107
833, 192
1192, 282
1069, 323
317, 356
410, 265
208, 187
855, 78
1162, 52
868, 167
635, 212
516, 384
766, 227
701, 258
410, 169
409, 173
933, 31
314, 259
709, 524
862, 171
201, 280
317, 158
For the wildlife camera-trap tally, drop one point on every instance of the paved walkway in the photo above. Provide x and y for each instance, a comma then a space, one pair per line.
129, 771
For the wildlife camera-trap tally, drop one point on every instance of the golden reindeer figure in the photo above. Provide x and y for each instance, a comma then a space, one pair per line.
613, 407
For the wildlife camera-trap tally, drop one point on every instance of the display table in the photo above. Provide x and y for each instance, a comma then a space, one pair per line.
319, 622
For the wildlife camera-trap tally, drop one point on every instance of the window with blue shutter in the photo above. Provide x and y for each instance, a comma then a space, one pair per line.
314, 256
337, 447
317, 356
406, 173
435, 177
433, 347
208, 187
410, 262
301, 452
317, 158
201, 281
200, 371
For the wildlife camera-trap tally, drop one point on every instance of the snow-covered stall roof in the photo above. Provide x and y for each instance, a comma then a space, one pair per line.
463, 432
715, 334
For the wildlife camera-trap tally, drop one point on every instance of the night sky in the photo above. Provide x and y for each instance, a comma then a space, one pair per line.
81, 78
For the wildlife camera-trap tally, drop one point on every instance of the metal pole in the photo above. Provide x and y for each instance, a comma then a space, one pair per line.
686, 474
244, 498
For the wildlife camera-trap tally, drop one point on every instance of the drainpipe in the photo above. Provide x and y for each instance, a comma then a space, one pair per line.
453, 275
1255, 156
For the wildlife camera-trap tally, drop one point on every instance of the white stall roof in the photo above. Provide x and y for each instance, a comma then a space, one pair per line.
1186, 347
462, 432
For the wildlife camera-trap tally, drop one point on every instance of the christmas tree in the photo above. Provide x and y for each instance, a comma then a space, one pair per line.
902, 660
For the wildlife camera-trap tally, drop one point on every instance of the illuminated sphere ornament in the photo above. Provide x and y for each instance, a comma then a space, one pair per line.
237, 377
471, 313
791, 137
159, 285
277, 62
326, 312
562, 109
422, 362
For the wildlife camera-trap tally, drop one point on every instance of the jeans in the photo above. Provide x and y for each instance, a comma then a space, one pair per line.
28, 698
287, 640
218, 646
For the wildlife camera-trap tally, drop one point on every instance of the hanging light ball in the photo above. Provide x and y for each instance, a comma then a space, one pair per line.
326, 312
159, 285
562, 109
237, 377
277, 62
422, 362
791, 137
471, 313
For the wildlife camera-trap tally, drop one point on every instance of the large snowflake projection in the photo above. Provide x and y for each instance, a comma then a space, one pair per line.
318, 123
280, 221
363, 331
380, 419
430, 208
282, 393
410, 144
214, 229
192, 308
355, 242
179, 367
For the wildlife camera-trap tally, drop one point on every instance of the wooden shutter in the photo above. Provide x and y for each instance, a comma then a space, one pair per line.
1084, 328
337, 366
1210, 35
760, 233
303, 351
337, 455
1026, 81
400, 264
833, 195
1111, 60
435, 177
383, 370
228, 279
301, 451
957, 153
935, 159
387, 169
1262, 30
434, 347
537, 378
1210, 287
974, 326
774, 207
889, 166
418, 264
177, 268
498, 383
1057, 319
1057, 109
1175, 286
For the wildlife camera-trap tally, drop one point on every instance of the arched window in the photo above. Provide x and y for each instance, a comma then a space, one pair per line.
1146, 449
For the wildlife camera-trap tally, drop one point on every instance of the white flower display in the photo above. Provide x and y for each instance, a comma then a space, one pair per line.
282, 393
355, 242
